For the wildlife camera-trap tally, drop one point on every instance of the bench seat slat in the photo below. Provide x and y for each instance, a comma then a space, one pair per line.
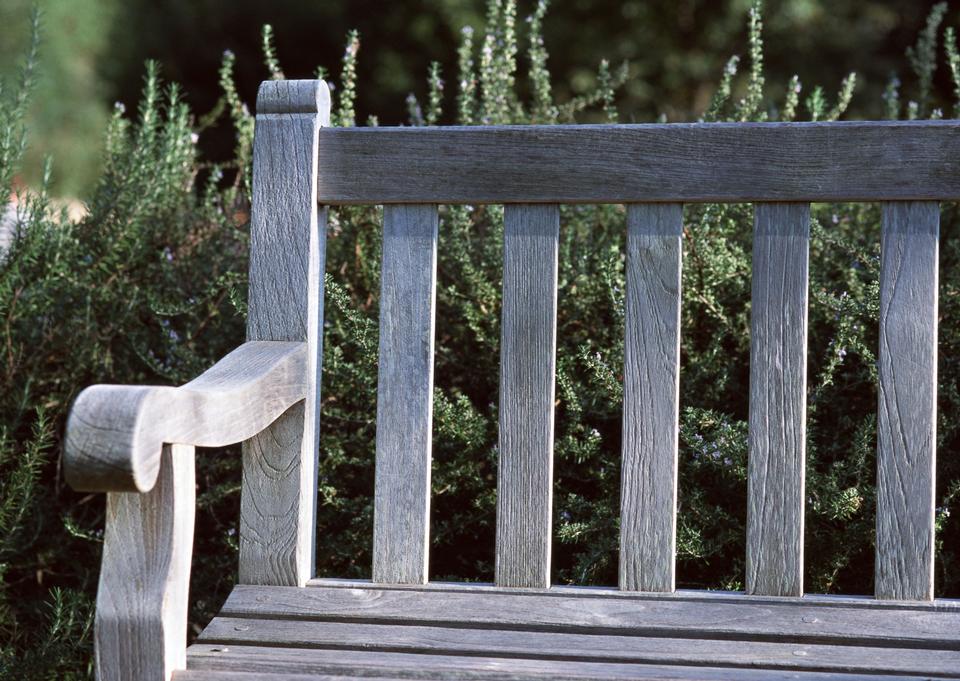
405, 394
433, 661
906, 420
562, 645
742, 617
778, 378
678, 162
527, 370
651, 398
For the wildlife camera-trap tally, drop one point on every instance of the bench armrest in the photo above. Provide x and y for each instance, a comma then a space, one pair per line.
115, 433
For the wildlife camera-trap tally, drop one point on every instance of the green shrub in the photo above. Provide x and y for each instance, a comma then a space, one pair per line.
149, 288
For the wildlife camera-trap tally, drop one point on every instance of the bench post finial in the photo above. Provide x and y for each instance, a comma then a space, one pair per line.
287, 249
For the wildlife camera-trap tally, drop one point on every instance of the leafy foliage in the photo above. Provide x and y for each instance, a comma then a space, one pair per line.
149, 288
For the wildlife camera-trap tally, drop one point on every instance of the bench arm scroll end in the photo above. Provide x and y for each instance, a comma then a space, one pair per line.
115, 433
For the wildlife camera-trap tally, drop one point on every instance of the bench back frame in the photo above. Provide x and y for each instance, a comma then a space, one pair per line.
300, 163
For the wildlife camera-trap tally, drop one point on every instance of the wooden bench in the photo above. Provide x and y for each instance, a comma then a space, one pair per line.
282, 623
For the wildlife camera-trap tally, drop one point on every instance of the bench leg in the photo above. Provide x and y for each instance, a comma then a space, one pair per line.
141, 621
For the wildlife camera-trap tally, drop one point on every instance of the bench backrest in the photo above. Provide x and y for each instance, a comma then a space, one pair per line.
299, 168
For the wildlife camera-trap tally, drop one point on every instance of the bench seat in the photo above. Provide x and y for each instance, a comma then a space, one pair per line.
337, 629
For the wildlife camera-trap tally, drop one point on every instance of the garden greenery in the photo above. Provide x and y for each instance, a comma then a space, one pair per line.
149, 287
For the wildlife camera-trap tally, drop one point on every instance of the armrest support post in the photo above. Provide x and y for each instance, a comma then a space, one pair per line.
141, 620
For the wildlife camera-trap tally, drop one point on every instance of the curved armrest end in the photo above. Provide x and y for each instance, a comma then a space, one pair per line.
115, 433
107, 449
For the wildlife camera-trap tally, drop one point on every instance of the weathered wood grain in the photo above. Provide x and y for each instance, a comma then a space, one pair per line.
207, 675
687, 595
922, 625
401, 520
563, 645
287, 254
268, 522
735, 162
527, 369
778, 384
651, 398
141, 617
361, 664
907, 415
294, 96
115, 433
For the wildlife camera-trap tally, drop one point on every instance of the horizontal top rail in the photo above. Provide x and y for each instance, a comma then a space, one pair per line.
697, 162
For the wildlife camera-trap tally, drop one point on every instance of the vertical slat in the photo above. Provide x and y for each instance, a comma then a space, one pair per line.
778, 377
527, 368
287, 249
907, 417
405, 394
651, 398
141, 620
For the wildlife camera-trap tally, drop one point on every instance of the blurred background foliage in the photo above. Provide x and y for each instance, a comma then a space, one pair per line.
94, 50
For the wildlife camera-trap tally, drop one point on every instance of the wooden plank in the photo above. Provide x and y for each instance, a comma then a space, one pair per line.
540, 645
651, 398
722, 162
778, 385
207, 675
907, 415
140, 629
115, 433
401, 520
528, 349
287, 252
748, 618
686, 595
360, 664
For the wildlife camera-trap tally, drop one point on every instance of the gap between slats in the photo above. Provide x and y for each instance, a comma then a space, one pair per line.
405, 394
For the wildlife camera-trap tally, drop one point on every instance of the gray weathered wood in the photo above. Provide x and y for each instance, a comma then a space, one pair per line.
115, 432
778, 384
401, 527
141, 617
295, 97
361, 664
907, 416
207, 675
573, 645
527, 367
651, 398
742, 617
687, 595
280, 621
287, 253
736, 162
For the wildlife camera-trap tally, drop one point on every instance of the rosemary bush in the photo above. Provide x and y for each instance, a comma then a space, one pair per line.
149, 287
